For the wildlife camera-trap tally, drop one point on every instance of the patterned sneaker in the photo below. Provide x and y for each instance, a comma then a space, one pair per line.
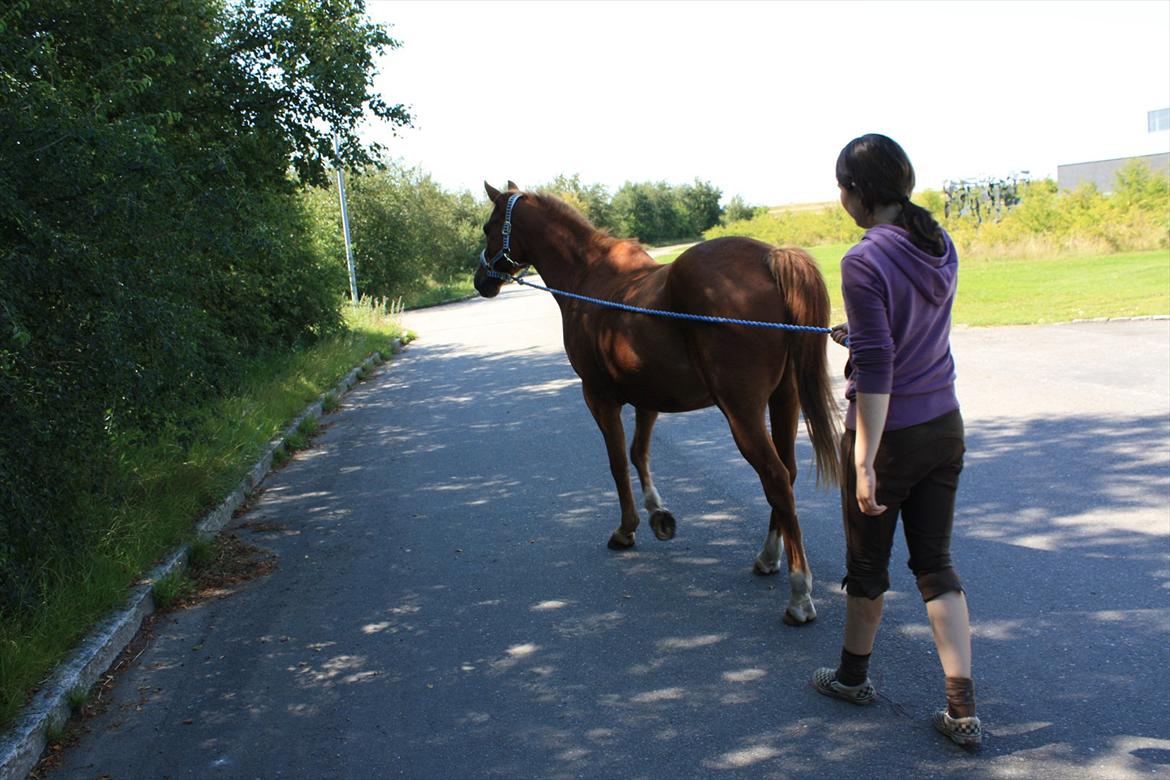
967, 732
825, 681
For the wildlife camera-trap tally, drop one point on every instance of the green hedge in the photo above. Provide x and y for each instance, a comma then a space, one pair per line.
153, 235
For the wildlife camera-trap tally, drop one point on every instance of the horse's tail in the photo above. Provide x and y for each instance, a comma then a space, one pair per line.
807, 301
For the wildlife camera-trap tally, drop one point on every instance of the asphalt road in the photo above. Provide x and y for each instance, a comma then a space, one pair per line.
445, 605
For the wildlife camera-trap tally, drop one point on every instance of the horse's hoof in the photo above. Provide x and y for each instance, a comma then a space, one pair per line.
662, 522
765, 569
618, 541
794, 620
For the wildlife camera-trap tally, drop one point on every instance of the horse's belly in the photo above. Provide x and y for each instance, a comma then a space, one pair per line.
636, 362
662, 399
660, 386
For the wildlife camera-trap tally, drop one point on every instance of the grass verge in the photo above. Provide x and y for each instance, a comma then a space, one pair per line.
160, 491
435, 294
1028, 291
1006, 290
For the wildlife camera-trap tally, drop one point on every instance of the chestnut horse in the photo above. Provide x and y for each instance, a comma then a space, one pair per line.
660, 364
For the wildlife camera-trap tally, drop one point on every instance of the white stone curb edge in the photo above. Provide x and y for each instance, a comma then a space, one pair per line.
21, 747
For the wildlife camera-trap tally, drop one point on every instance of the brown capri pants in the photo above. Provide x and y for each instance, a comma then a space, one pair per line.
917, 476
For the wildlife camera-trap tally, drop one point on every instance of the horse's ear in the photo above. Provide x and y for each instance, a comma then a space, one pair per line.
492, 192
512, 185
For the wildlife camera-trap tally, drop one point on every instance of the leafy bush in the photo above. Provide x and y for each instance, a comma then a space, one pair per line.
1134, 217
806, 227
152, 240
1045, 222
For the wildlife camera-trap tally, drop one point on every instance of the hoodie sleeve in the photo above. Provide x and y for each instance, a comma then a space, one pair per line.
871, 347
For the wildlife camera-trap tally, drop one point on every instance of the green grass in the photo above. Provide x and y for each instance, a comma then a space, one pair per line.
170, 589
1013, 291
669, 258
435, 294
1023, 292
1045, 290
201, 553
164, 488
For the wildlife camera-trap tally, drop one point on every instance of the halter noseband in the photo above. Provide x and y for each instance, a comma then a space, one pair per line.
503, 254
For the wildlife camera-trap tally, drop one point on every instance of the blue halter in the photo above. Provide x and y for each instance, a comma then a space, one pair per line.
503, 254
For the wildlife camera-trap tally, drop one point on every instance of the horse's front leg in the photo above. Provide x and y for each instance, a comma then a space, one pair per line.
661, 520
608, 415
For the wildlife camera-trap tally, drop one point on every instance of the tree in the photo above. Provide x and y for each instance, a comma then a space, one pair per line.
737, 210
591, 200
700, 205
300, 71
152, 240
407, 231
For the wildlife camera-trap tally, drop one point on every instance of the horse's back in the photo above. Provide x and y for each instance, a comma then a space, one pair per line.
727, 277
742, 278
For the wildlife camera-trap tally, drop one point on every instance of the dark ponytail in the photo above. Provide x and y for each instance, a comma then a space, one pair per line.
924, 231
879, 172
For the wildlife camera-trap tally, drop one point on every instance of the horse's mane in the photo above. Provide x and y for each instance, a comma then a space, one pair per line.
577, 222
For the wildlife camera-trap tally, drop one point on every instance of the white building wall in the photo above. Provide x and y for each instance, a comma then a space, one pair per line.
1135, 141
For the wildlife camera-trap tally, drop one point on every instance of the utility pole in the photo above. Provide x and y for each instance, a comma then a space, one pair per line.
353, 293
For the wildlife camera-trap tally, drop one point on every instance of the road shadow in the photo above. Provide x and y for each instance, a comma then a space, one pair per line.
1067, 574
464, 617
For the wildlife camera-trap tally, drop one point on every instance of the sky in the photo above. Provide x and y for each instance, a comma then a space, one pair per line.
757, 98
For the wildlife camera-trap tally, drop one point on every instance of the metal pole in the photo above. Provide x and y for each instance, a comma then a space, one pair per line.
353, 293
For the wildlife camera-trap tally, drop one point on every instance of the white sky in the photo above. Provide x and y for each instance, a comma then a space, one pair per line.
759, 97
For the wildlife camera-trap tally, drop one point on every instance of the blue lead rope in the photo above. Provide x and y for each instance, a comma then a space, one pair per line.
504, 254
660, 312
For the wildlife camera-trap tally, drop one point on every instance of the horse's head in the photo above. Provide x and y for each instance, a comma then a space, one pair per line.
498, 261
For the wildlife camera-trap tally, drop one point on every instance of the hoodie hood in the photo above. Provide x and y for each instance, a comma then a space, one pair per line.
934, 277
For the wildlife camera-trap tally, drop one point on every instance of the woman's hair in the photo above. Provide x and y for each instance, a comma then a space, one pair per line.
879, 172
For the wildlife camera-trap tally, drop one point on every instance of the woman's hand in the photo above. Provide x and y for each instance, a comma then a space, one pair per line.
840, 333
871, 420
867, 490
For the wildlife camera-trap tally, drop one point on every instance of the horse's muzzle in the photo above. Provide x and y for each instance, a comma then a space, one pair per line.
489, 277
487, 286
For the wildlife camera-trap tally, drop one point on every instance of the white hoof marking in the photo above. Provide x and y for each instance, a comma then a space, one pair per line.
651, 500
800, 605
768, 561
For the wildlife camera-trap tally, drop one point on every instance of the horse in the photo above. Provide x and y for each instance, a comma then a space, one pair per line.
663, 364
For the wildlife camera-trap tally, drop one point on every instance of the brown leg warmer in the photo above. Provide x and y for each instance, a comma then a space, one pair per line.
853, 669
960, 697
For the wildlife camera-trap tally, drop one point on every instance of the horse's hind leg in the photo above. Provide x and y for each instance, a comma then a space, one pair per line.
784, 412
661, 520
784, 408
608, 415
751, 436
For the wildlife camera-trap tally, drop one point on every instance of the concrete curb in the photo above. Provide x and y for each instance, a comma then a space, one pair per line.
21, 747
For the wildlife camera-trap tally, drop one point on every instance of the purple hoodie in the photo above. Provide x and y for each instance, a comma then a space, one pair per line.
898, 301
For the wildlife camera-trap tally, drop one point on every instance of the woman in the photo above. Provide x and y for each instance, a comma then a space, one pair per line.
902, 449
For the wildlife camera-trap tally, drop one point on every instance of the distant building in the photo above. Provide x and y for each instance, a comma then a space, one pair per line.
1103, 173
1159, 120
